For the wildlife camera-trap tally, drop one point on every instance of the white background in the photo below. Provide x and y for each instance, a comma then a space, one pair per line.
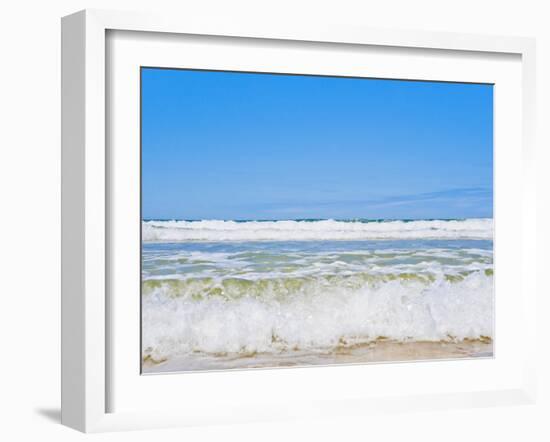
29, 218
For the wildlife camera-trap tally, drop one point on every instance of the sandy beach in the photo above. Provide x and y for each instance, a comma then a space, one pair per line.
376, 352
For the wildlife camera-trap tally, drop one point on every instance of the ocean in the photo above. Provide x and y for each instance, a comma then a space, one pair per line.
239, 294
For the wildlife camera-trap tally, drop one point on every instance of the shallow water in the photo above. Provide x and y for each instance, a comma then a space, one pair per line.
232, 298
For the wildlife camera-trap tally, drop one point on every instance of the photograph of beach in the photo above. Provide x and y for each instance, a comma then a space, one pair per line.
304, 220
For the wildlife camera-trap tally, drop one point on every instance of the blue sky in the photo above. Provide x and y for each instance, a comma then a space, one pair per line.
221, 145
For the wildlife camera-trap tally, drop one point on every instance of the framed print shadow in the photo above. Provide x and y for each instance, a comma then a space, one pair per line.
313, 220
264, 222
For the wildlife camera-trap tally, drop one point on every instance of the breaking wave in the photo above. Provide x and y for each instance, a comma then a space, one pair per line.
243, 316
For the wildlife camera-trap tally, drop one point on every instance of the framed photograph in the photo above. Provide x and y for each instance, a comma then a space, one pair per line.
262, 222
299, 219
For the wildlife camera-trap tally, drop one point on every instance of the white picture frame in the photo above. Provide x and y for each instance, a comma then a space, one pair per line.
86, 204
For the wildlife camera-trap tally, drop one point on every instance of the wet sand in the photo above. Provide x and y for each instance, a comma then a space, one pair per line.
375, 352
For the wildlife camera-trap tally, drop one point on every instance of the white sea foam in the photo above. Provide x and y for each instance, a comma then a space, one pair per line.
216, 230
318, 314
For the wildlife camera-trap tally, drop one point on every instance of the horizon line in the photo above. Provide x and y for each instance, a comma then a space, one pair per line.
313, 219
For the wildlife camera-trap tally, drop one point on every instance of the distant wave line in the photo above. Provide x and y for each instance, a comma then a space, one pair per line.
312, 229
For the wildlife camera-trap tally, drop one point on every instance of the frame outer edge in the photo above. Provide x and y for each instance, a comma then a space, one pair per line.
529, 213
337, 33
83, 333
73, 80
